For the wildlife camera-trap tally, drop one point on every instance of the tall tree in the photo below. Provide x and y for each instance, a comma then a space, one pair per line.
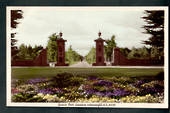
110, 45
52, 48
15, 16
155, 27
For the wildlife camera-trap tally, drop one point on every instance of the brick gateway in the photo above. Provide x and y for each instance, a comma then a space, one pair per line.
119, 58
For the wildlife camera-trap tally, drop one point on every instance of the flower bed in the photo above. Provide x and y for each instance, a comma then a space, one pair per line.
68, 88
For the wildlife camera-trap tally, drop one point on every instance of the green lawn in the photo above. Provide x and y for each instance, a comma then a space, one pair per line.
38, 72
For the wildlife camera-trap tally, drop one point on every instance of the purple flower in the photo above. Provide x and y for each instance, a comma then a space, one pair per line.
103, 83
109, 94
120, 92
139, 83
46, 91
36, 80
100, 93
90, 91
59, 91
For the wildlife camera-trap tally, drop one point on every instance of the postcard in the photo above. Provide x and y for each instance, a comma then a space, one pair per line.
108, 57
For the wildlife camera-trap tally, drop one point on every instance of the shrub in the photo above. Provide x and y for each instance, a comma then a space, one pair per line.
160, 76
65, 80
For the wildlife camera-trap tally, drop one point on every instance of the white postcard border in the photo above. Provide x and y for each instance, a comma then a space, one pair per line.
101, 105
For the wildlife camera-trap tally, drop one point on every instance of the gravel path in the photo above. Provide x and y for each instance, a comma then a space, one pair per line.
81, 64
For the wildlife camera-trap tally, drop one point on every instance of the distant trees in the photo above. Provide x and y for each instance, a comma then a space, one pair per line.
108, 48
91, 56
139, 53
155, 27
125, 51
28, 52
72, 56
15, 15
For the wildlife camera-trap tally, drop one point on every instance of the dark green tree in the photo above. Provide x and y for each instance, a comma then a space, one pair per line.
139, 53
110, 45
22, 52
155, 27
28, 52
15, 16
134, 54
125, 51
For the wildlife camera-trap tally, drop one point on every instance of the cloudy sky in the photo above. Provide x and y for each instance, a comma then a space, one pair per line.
80, 26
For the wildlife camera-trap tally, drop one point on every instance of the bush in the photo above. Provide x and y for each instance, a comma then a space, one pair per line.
65, 80
160, 76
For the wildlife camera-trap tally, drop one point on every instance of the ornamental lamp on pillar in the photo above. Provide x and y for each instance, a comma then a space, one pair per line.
99, 34
60, 34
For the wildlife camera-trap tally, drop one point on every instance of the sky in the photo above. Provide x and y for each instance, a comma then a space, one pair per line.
80, 26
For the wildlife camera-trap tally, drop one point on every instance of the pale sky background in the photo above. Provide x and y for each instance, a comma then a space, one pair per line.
80, 26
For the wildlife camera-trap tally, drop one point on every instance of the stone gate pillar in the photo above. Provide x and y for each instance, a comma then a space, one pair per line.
99, 51
61, 51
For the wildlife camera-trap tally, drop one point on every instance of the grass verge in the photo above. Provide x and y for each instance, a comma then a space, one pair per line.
38, 72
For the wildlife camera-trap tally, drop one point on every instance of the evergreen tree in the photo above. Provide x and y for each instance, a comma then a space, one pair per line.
155, 27
15, 15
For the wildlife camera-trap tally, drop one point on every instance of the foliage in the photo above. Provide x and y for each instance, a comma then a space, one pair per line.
125, 51
110, 45
72, 56
52, 48
15, 15
64, 80
155, 27
139, 53
67, 87
28, 52
91, 56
